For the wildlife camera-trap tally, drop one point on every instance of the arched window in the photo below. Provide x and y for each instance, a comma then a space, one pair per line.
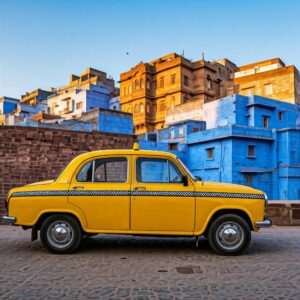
148, 108
136, 85
136, 109
154, 108
162, 106
129, 89
142, 83
142, 109
124, 90
148, 84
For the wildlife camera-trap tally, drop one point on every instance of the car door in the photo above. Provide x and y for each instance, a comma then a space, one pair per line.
160, 202
100, 187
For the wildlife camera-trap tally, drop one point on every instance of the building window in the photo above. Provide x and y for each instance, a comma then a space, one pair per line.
209, 84
148, 108
129, 89
185, 80
249, 179
161, 82
148, 84
124, 91
181, 131
136, 85
173, 78
173, 146
142, 83
266, 121
210, 153
162, 106
142, 108
269, 89
136, 109
248, 91
172, 133
251, 151
280, 116
79, 105
154, 107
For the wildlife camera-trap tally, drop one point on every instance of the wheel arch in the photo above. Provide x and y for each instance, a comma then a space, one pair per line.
43, 216
223, 211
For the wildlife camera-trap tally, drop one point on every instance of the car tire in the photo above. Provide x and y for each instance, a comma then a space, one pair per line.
61, 234
229, 234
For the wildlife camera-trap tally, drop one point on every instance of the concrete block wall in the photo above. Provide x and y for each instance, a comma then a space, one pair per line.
34, 154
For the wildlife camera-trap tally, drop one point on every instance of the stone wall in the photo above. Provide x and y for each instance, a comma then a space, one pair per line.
34, 154
284, 212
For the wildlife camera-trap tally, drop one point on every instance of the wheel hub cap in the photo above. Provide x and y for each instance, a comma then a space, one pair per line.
60, 234
230, 235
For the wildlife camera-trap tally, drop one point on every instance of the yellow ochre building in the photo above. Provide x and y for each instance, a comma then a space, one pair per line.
149, 90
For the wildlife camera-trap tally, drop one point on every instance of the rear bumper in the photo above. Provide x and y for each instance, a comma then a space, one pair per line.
264, 224
8, 220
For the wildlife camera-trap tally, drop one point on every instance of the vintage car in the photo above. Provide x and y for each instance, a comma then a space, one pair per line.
136, 192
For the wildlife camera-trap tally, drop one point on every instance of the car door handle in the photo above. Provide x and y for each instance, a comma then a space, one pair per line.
139, 188
77, 187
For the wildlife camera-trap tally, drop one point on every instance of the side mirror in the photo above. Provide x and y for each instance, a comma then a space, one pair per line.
184, 180
198, 178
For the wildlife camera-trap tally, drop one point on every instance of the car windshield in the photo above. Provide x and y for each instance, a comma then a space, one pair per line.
187, 170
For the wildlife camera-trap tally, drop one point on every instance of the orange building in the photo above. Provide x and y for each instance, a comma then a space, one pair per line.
269, 78
148, 90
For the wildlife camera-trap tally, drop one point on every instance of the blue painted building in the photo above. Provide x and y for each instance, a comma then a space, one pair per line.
102, 120
252, 140
8, 104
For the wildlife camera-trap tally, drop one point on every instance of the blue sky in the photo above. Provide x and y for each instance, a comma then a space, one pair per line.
43, 42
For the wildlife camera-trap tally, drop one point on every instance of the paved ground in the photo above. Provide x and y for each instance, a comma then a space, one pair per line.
114, 267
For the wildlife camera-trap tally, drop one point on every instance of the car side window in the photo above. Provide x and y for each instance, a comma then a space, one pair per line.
104, 170
86, 173
157, 170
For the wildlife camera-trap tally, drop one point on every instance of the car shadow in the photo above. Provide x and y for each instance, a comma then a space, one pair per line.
107, 243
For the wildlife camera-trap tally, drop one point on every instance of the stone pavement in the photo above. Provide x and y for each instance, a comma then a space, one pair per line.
115, 267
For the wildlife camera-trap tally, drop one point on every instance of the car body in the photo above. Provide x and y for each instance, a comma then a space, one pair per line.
136, 192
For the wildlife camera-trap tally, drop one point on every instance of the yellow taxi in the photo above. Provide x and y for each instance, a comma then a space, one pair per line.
136, 192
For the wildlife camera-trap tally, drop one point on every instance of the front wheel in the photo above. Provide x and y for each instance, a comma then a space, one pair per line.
61, 234
229, 234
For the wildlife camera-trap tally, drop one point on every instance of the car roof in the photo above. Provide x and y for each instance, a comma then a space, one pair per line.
125, 152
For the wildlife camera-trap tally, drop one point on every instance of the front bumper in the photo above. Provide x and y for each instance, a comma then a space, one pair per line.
8, 220
264, 224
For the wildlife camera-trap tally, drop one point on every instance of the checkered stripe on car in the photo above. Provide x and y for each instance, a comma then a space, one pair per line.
40, 193
229, 195
137, 193
163, 193
72, 193
99, 193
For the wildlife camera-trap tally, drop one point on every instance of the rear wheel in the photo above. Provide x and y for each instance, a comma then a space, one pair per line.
61, 234
229, 234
